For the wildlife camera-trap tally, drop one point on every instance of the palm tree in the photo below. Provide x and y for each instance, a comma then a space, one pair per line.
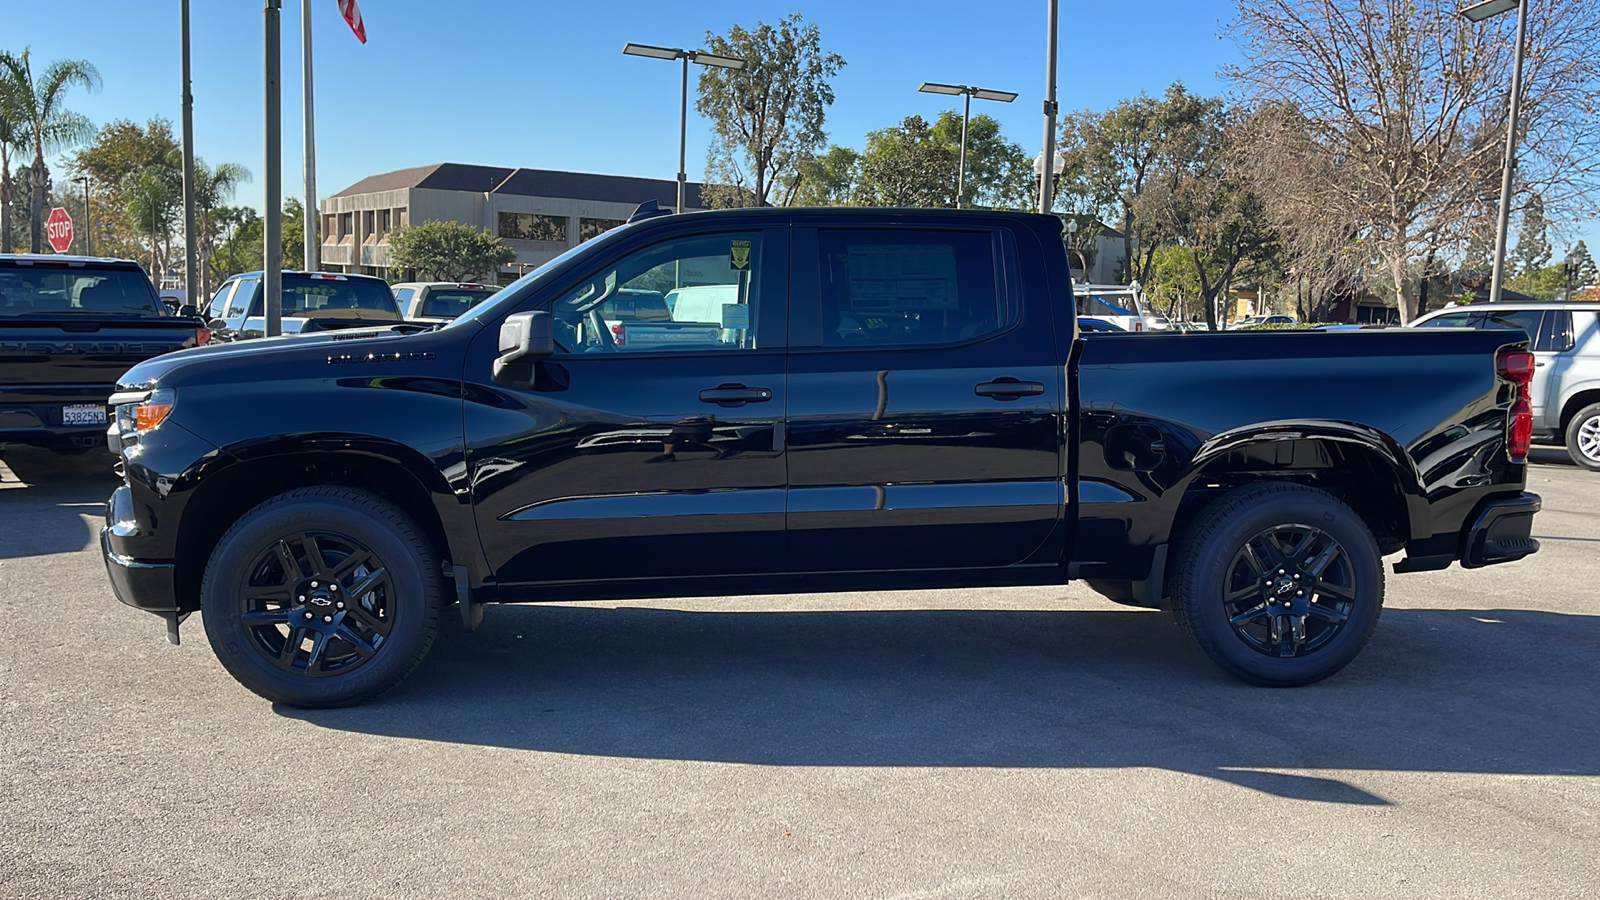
36, 105
11, 138
212, 189
154, 197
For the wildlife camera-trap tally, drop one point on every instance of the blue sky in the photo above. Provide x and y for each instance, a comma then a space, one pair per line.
545, 85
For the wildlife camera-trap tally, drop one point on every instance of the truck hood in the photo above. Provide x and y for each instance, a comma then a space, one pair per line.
291, 350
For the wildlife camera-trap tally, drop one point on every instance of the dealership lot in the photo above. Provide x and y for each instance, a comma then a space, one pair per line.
1018, 742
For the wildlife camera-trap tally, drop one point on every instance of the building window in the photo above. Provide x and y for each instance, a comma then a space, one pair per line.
369, 225
592, 228
347, 226
329, 223
384, 221
402, 219
533, 227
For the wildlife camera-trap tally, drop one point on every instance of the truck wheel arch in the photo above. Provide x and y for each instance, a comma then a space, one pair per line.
265, 471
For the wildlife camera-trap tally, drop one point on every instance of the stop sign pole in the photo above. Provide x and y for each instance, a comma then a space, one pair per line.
58, 230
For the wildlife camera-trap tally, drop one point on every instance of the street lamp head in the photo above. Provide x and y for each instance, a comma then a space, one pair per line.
1486, 9
711, 59
986, 94
1056, 165
934, 87
1072, 226
652, 52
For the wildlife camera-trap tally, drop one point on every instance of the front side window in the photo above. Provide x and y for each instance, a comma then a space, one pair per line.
688, 294
242, 297
219, 302
907, 287
1453, 320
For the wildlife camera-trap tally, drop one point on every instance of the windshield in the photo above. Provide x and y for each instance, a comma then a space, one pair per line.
515, 288
447, 303
32, 290
329, 298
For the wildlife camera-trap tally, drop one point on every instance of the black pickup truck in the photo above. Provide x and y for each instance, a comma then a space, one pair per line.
69, 325
878, 399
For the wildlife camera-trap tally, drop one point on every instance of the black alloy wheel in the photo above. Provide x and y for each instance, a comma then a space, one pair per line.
321, 596
1279, 584
317, 603
1291, 589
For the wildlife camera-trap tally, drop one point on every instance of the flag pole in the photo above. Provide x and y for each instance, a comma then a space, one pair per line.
313, 217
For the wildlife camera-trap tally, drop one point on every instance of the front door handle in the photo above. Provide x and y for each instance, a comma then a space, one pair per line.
1008, 389
732, 395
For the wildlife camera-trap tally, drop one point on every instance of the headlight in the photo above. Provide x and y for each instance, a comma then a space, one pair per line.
134, 419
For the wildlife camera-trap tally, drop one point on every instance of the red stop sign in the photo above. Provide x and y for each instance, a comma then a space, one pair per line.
58, 230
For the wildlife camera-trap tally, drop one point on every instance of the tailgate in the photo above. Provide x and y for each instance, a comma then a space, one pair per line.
37, 351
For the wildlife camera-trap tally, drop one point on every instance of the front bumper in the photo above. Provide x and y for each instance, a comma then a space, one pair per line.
143, 584
1501, 532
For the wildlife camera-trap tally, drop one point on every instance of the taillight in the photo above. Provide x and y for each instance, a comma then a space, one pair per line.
1516, 366
1138, 326
202, 336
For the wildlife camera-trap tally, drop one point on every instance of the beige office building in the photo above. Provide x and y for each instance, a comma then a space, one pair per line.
540, 213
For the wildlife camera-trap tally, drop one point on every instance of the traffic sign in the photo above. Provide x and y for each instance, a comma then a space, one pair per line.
58, 229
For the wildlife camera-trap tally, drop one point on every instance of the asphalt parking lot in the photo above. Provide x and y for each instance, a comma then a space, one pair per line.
996, 743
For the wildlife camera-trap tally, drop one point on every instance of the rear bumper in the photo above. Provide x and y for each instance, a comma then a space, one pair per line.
1500, 532
142, 584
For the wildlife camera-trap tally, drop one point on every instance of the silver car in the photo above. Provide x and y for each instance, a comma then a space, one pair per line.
435, 302
1565, 339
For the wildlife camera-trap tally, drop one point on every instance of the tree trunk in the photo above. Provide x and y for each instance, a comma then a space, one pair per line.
5, 206
1397, 271
40, 178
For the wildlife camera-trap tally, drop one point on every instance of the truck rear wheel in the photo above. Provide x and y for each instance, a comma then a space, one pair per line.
1279, 584
321, 596
1583, 437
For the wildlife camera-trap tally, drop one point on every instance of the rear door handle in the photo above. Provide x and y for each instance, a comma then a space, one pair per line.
735, 395
1008, 389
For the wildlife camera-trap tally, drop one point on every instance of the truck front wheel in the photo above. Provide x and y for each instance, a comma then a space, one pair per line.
1279, 584
321, 596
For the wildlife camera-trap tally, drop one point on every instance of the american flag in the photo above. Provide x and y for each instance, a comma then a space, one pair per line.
352, 15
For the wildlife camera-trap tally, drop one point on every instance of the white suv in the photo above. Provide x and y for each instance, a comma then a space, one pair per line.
1565, 340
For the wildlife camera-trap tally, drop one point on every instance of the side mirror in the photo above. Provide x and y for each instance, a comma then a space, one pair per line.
217, 325
187, 311
524, 337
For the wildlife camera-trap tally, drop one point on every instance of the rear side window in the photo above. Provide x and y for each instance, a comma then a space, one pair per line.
242, 297
908, 287
403, 297
219, 302
1557, 333
29, 290
1529, 320
1453, 320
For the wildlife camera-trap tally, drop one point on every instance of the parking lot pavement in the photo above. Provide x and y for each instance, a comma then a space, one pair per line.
984, 743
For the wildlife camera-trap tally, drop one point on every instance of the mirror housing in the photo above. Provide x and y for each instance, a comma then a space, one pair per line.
524, 338
187, 311
217, 325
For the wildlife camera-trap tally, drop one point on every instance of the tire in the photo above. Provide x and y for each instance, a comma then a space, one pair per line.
1304, 627
1583, 437
306, 646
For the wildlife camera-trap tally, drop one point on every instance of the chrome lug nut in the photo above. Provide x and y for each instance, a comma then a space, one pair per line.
333, 586
327, 619
302, 598
313, 584
339, 605
308, 615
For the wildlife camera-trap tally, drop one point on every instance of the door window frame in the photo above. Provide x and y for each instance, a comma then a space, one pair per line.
771, 283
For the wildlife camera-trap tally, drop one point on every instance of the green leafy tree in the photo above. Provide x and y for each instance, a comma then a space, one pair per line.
999, 172
826, 180
1584, 272
117, 150
213, 187
154, 198
766, 117
1532, 252
12, 140
239, 248
293, 225
906, 165
448, 251
37, 103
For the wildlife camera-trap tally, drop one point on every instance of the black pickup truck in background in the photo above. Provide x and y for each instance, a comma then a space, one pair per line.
856, 399
69, 326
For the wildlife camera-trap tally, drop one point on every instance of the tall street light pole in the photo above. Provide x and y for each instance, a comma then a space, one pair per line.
88, 218
272, 216
191, 270
1047, 154
967, 92
699, 57
1477, 13
312, 217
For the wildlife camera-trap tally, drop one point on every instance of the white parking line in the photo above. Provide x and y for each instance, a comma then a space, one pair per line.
8, 478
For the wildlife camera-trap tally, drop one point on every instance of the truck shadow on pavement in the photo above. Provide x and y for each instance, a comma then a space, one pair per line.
44, 497
1468, 691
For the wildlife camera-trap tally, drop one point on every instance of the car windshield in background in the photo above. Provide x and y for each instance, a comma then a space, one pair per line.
447, 303
46, 290
331, 298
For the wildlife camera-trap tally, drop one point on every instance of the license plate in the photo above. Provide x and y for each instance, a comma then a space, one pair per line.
83, 414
